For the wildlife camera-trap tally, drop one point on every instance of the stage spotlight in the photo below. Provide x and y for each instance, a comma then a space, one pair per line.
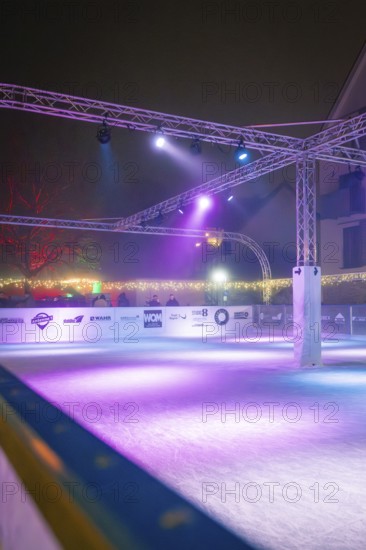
204, 202
241, 154
219, 276
197, 245
195, 146
104, 133
230, 198
160, 141
181, 208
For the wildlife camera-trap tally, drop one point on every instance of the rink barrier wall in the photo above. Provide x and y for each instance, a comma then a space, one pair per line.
129, 325
55, 461
119, 325
335, 319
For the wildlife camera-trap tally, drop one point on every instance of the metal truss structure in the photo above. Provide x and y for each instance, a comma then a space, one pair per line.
343, 155
244, 240
254, 170
7, 219
22, 98
306, 210
334, 137
89, 110
280, 151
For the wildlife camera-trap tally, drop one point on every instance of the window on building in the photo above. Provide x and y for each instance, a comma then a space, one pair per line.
352, 246
357, 199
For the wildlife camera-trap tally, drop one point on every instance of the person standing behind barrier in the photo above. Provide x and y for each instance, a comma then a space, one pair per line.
100, 301
123, 301
172, 301
4, 300
29, 300
155, 301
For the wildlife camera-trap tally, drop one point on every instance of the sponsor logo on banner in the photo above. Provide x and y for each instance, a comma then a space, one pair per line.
200, 312
11, 320
359, 319
153, 318
42, 320
339, 318
200, 316
75, 321
101, 318
241, 315
221, 316
129, 317
175, 316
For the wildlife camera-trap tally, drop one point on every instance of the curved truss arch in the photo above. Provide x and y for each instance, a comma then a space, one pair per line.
7, 219
202, 234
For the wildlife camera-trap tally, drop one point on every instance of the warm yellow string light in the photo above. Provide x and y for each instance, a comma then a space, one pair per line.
86, 285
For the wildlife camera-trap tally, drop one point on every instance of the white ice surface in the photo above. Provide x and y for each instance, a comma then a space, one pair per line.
147, 401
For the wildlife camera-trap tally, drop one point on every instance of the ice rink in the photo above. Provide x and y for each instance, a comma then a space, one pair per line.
274, 452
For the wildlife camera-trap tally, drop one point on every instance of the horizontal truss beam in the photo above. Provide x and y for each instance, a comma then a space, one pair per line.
6, 219
335, 136
89, 110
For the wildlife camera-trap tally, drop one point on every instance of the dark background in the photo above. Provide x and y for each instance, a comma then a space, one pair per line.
235, 62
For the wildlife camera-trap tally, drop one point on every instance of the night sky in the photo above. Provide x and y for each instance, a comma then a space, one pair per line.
236, 62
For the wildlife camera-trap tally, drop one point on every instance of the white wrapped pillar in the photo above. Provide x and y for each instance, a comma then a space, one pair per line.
307, 315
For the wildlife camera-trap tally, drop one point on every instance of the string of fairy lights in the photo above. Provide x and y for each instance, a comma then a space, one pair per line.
87, 285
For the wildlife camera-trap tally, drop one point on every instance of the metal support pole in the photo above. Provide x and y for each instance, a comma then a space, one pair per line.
306, 210
306, 275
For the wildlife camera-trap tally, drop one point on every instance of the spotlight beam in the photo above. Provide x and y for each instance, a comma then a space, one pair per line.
246, 173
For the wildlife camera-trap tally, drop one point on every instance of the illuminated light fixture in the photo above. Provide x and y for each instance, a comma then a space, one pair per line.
160, 142
219, 276
241, 153
197, 245
104, 132
214, 239
230, 198
195, 146
204, 202
181, 208
160, 139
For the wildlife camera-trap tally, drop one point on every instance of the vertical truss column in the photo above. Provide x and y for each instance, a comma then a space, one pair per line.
306, 275
306, 210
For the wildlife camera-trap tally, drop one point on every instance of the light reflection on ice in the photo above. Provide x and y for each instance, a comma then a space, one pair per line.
170, 381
